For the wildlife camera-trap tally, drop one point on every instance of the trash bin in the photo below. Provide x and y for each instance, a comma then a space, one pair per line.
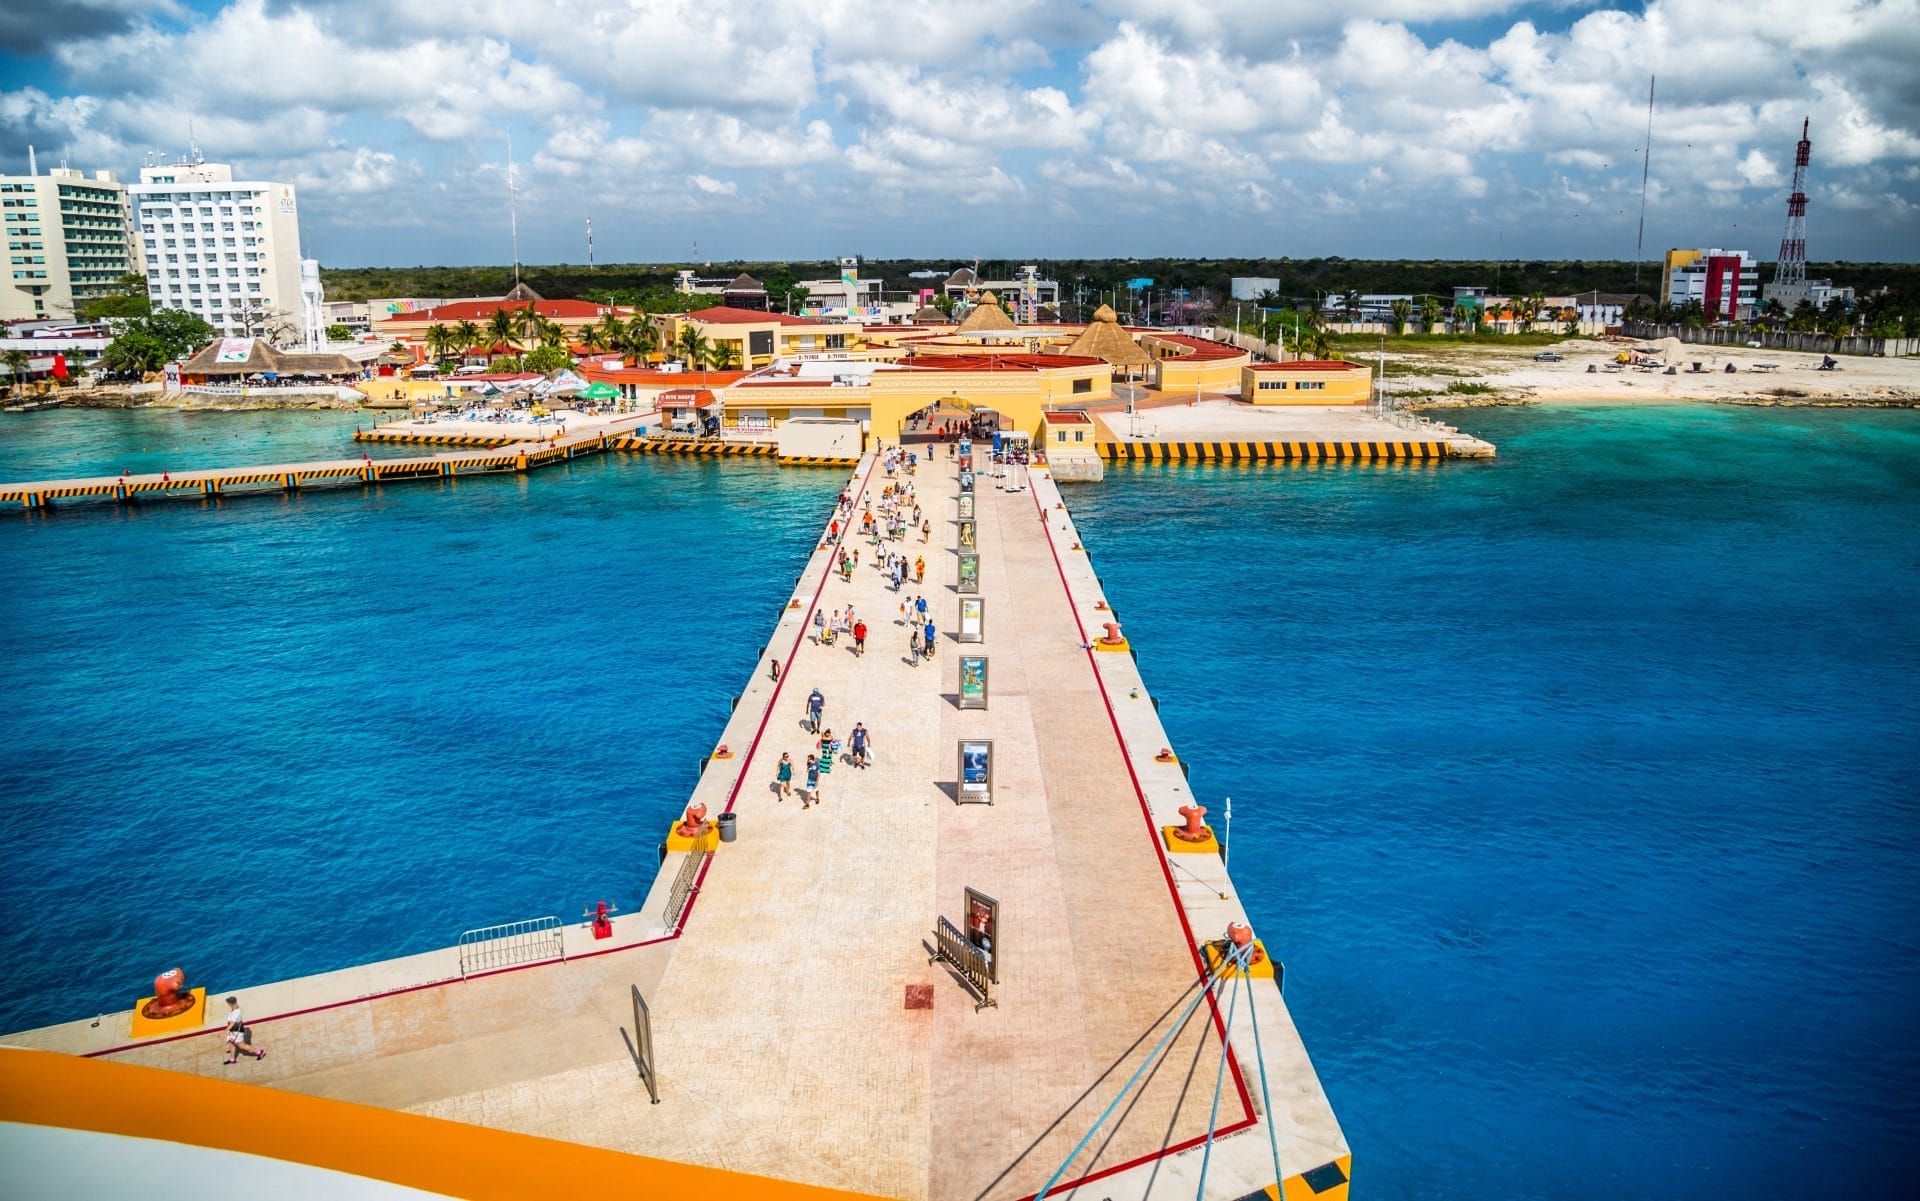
726, 826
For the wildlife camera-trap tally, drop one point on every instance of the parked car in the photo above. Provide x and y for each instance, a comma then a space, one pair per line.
1549, 356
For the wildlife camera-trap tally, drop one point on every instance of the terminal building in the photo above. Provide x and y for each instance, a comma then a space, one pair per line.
225, 250
1725, 283
70, 239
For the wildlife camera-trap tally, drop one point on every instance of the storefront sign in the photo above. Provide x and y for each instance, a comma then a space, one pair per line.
983, 929
973, 681
973, 619
976, 771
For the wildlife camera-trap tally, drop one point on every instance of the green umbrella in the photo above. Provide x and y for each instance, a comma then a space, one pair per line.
597, 391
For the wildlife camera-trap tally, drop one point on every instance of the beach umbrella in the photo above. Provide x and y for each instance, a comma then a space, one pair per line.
598, 391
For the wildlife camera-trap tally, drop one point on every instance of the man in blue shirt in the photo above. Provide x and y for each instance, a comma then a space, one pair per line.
929, 639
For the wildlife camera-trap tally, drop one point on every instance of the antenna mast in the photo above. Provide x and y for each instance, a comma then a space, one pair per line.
1791, 270
1646, 165
513, 213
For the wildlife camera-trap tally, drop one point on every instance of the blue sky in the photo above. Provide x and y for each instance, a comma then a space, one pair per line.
999, 128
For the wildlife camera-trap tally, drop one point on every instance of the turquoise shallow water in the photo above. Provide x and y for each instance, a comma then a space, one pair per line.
1575, 789
83, 442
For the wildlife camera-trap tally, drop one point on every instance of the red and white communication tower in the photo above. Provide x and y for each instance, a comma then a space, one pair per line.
1791, 271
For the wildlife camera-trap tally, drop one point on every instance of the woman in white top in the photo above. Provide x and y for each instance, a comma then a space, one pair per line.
239, 1038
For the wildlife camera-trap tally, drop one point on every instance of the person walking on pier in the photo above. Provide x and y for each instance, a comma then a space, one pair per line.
858, 742
812, 792
919, 570
819, 625
816, 707
926, 528
829, 750
913, 643
240, 1035
929, 636
783, 776
859, 639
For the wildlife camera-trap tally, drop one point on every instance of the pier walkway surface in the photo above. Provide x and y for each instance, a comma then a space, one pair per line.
798, 1029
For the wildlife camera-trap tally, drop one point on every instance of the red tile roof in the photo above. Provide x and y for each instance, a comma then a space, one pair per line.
648, 377
1311, 365
1066, 417
998, 362
721, 314
482, 310
1200, 348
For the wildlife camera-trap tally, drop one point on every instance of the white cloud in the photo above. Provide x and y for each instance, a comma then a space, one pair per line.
1346, 117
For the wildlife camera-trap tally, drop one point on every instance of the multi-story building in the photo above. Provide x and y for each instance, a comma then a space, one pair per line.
226, 250
1025, 295
1726, 283
69, 240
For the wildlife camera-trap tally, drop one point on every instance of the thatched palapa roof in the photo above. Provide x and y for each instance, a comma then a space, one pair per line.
986, 315
926, 314
1104, 339
263, 359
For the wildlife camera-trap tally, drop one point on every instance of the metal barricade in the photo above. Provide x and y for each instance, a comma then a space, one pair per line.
684, 887
951, 945
643, 1044
490, 948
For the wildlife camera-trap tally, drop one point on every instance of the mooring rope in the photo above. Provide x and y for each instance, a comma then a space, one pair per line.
1237, 957
1206, 990
1266, 1099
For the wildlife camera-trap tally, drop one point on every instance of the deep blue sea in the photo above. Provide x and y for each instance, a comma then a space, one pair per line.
1576, 789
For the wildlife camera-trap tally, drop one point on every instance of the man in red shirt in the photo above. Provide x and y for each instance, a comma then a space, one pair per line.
859, 638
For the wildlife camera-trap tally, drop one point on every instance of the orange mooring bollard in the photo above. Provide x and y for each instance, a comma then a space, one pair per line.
1241, 936
1195, 830
1112, 636
696, 822
170, 995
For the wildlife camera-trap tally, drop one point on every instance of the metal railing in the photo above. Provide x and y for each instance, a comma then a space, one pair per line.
511, 944
953, 946
643, 1044
681, 894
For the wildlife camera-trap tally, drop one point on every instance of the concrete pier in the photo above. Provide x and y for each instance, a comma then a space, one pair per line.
799, 1030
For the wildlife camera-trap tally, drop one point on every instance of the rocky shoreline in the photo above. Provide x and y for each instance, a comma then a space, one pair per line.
294, 401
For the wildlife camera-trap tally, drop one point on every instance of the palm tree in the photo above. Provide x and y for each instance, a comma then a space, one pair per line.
592, 339
466, 336
1350, 305
721, 356
18, 363
440, 342
612, 329
1433, 312
642, 338
1402, 310
1466, 314
551, 333
500, 330
527, 322
692, 345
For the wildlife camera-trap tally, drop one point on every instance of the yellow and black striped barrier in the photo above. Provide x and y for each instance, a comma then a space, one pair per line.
817, 461
417, 439
1272, 452
692, 446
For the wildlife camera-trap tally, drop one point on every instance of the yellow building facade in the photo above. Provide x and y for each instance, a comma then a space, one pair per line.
1022, 388
1306, 382
759, 338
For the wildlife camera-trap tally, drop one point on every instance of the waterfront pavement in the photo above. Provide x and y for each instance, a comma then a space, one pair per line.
783, 1037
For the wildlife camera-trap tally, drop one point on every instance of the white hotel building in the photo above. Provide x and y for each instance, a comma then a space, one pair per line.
225, 250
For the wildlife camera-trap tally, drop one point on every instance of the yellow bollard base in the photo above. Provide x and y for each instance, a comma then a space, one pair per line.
1180, 846
1121, 645
192, 1019
1259, 971
709, 841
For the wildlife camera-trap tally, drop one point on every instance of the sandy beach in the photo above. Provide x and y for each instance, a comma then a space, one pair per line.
1759, 377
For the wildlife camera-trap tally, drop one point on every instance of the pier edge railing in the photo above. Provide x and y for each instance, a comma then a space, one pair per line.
684, 886
511, 944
